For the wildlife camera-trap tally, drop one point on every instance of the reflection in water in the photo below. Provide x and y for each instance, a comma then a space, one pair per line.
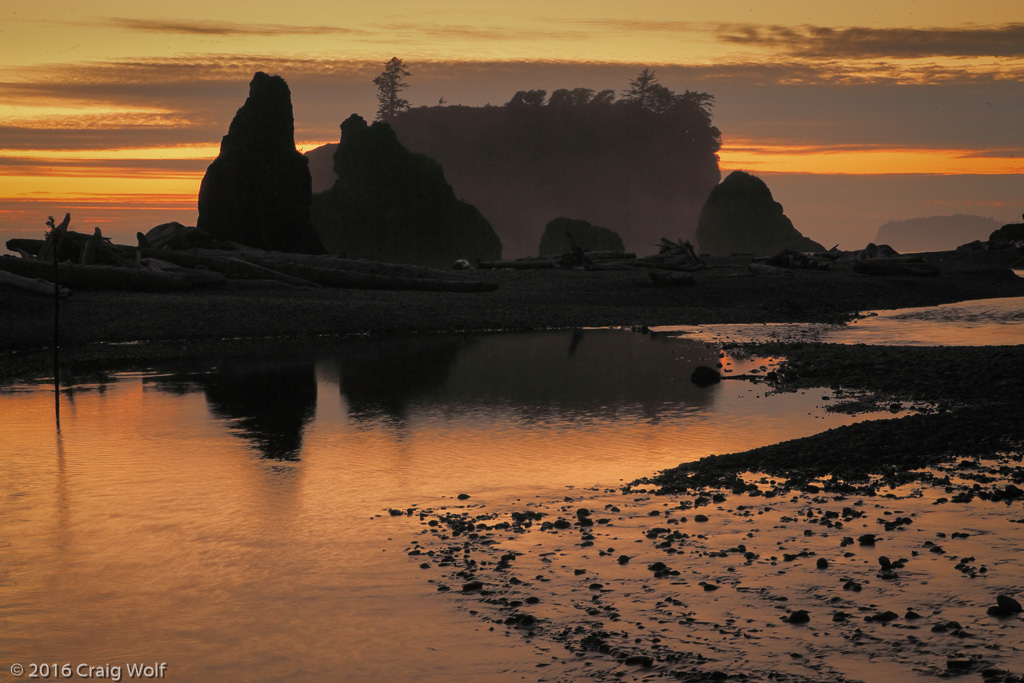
269, 400
149, 532
379, 377
982, 322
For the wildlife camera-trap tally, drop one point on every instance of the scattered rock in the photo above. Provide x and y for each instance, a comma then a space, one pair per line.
799, 617
703, 376
1008, 603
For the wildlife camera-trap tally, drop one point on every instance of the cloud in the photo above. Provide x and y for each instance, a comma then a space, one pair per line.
225, 28
480, 32
108, 168
827, 43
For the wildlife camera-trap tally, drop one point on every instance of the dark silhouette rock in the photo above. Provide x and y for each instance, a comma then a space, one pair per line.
741, 216
588, 237
645, 173
1011, 232
704, 376
390, 204
1009, 604
258, 190
800, 616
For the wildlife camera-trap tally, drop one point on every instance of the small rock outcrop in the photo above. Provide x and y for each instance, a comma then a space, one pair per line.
390, 204
741, 216
258, 190
588, 237
1011, 232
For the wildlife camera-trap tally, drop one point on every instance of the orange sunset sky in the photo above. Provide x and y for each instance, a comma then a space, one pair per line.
854, 113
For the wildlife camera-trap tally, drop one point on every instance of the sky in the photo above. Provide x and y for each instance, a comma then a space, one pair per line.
853, 113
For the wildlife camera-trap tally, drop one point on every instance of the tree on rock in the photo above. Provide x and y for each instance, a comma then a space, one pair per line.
389, 204
258, 190
641, 89
390, 84
741, 216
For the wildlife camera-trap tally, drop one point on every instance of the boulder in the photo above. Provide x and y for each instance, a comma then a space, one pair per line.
390, 204
588, 237
741, 216
258, 190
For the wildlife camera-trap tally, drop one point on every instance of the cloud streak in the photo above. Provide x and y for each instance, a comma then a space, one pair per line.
225, 28
827, 43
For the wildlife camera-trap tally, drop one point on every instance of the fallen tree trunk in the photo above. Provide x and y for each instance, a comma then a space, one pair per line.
892, 266
656, 263
300, 269
31, 284
335, 277
671, 279
23, 244
532, 264
230, 266
98, 277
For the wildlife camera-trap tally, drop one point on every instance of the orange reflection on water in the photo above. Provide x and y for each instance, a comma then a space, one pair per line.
217, 515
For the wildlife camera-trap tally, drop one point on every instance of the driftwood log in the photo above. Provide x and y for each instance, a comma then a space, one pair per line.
671, 279
31, 284
294, 269
521, 264
219, 261
77, 276
895, 266
338, 277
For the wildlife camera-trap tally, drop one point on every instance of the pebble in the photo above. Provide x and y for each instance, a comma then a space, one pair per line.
799, 617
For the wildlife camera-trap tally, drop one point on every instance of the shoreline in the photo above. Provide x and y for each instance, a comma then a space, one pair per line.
255, 311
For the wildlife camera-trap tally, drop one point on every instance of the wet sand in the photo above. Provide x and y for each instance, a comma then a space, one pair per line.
873, 552
800, 586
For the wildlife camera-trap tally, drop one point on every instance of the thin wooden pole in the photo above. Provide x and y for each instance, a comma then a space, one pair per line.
56, 329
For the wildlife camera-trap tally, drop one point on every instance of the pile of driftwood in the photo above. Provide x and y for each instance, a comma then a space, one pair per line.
672, 265
871, 260
170, 258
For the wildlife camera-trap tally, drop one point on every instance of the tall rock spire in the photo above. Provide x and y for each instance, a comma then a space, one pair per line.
258, 190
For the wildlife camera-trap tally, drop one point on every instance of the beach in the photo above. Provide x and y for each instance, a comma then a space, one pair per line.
872, 551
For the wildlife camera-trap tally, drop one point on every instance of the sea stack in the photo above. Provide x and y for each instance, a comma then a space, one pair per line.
258, 190
389, 204
741, 216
